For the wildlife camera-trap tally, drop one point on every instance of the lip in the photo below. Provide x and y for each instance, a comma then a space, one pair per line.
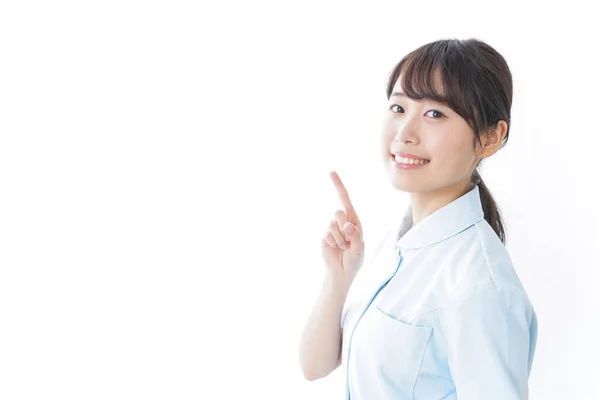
407, 166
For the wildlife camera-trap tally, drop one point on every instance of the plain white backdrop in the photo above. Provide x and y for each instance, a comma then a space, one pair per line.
164, 185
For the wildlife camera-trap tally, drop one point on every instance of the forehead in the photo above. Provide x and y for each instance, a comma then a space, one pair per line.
421, 83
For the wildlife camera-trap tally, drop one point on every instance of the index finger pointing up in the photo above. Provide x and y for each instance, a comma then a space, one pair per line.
344, 197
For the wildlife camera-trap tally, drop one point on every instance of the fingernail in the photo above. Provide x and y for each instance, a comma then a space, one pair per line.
349, 228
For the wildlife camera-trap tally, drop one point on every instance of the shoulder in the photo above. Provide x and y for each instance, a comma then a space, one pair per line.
479, 261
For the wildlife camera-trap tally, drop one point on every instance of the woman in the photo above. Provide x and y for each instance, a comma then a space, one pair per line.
439, 311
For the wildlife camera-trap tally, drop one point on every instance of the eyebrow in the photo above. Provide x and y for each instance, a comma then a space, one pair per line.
401, 94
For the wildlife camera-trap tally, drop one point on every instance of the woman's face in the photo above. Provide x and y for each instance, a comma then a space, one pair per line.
426, 146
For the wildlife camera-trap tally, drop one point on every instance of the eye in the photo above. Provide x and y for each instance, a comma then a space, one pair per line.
396, 108
435, 114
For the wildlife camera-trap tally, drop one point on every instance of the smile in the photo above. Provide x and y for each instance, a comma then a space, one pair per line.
409, 161
412, 161
404, 162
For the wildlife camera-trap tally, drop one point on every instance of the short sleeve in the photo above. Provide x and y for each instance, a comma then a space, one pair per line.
491, 341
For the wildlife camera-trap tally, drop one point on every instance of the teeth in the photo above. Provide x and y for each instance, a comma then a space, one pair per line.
403, 160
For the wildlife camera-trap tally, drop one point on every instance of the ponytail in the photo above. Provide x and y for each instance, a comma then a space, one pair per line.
491, 213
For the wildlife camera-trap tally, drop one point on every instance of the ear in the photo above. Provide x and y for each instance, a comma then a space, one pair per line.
492, 141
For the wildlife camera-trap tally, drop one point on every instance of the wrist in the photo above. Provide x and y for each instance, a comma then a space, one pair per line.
338, 282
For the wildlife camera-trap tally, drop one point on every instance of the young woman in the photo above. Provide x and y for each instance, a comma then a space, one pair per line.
438, 312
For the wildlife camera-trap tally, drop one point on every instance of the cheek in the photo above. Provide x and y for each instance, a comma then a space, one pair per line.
453, 152
387, 136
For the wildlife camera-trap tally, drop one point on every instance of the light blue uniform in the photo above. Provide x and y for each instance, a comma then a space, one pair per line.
446, 319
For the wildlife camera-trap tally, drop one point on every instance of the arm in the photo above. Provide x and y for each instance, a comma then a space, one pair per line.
321, 343
491, 341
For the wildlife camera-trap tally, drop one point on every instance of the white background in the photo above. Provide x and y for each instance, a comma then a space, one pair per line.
164, 185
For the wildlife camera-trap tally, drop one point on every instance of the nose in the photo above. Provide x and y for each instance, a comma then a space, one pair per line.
407, 131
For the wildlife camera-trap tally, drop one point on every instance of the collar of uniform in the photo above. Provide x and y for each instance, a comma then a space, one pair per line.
449, 220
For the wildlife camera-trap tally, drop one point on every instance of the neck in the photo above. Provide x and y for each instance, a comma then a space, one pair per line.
424, 204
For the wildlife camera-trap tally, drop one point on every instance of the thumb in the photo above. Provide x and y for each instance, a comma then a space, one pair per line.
354, 235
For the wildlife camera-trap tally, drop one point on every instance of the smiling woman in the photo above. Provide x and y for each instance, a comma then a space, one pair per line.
439, 312
450, 100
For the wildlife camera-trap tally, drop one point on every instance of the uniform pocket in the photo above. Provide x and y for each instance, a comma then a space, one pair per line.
396, 349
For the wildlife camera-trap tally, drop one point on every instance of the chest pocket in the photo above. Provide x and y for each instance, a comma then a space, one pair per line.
393, 349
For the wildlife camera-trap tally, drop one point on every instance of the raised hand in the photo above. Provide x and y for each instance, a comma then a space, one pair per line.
343, 245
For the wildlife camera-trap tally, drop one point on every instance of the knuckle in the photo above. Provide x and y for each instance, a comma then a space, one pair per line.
340, 214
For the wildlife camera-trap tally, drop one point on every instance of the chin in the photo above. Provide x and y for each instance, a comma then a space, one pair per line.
404, 182
407, 185
407, 189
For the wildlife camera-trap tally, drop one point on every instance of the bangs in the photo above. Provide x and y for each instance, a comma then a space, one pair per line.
439, 72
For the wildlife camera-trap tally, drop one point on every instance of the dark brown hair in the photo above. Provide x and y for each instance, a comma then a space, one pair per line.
475, 82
